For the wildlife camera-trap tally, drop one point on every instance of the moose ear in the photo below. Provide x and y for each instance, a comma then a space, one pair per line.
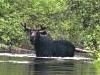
43, 32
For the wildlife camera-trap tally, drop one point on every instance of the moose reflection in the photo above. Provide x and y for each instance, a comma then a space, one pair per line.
47, 47
52, 67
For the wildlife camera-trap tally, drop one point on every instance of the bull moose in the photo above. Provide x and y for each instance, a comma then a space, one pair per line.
46, 46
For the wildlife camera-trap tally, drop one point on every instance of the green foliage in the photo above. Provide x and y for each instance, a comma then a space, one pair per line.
12, 12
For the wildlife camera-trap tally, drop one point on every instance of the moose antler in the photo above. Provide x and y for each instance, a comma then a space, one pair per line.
25, 27
43, 28
39, 28
23, 24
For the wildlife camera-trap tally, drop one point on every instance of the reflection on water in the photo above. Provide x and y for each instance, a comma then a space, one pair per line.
53, 67
37, 66
68, 67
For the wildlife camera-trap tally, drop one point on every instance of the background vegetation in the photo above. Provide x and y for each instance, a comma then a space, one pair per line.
74, 20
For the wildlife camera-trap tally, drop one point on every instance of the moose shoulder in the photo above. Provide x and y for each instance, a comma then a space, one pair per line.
47, 47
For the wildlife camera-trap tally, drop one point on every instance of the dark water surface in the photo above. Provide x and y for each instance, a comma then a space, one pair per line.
45, 66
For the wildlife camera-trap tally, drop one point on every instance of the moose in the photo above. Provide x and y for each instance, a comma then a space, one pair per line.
46, 46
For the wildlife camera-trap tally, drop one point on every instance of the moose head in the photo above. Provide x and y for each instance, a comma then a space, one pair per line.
34, 33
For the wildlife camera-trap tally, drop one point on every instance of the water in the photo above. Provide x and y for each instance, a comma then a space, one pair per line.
30, 65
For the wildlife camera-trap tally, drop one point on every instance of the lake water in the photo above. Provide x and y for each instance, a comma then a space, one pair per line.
29, 65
